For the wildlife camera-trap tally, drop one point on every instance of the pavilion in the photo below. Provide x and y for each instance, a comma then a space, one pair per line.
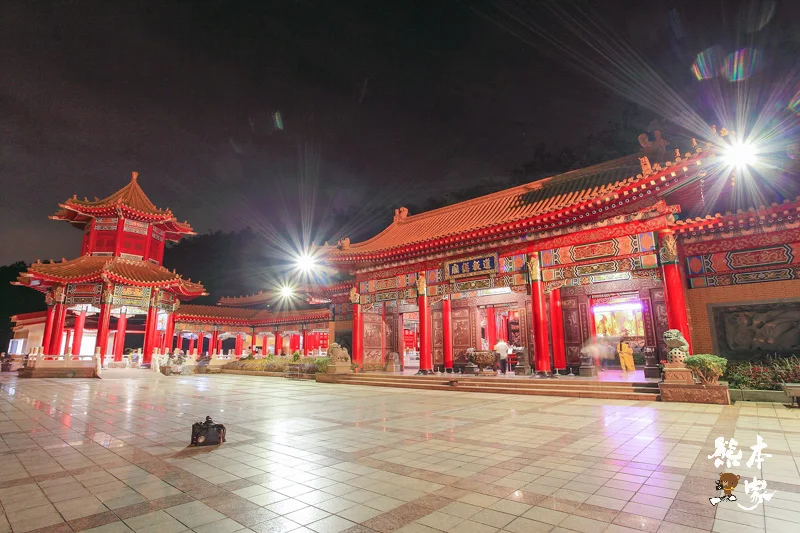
118, 287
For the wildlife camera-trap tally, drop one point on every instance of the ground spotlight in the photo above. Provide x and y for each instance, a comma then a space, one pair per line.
740, 154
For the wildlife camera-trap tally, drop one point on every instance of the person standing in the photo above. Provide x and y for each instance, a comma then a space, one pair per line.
502, 348
625, 356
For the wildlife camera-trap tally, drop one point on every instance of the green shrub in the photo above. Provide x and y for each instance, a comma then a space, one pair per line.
763, 375
295, 357
708, 368
322, 364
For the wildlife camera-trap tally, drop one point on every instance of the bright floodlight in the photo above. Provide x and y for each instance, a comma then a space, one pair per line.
740, 154
305, 262
286, 291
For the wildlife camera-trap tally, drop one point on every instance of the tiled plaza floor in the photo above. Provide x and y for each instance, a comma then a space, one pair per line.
110, 456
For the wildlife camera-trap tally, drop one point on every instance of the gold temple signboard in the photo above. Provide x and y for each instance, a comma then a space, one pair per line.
471, 266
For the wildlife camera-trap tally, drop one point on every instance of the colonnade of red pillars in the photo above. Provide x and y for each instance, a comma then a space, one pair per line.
674, 290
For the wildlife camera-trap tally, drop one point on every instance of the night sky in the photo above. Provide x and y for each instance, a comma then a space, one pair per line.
381, 103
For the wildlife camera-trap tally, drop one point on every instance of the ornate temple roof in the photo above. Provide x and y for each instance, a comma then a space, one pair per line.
765, 216
259, 298
106, 268
249, 317
558, 198
131, 202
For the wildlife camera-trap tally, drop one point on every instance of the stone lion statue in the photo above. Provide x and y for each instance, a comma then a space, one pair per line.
678, 348
337, 354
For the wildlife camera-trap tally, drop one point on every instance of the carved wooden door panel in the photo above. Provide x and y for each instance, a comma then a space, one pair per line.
373, 341
660, 320
462, 332
437, 337
390, 333
572, 330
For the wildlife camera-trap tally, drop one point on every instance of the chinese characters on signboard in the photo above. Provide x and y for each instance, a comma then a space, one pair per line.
471, 266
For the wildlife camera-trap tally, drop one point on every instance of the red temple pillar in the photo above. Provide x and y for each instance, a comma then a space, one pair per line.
238, 347
253, 342
264, 345
541, 350
358, 335
212, 343
447, 335
118, 241
557, 330
305, 343
674, 289
119, 338
67, 344
150, 329
278, 344
80, 321
48, 329
103, 323
59, 316
218, 346
191, 342
425, 353
169, 334
384, 353
491, 328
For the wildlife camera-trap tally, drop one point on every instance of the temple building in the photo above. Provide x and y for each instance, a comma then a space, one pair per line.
598, 252
626, 249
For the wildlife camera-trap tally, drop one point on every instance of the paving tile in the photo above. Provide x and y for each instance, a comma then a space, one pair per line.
356, 460
359, 513
331, 524
194, 514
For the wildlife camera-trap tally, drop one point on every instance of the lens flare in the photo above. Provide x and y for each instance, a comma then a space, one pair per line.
708, 63
757, 14
740, 154
286, 291
306, 262
794, 104
742, 64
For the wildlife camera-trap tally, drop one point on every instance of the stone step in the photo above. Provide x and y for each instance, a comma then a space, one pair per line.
503, 384
556, 383
648, 394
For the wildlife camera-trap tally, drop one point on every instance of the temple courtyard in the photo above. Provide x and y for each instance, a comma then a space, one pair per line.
111, 456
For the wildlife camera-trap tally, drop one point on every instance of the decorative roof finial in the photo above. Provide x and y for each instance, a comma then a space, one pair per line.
134, 175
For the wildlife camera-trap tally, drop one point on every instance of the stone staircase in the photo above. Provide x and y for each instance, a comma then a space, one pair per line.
563, 386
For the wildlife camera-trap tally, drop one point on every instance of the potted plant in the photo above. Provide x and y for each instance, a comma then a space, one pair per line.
707, 369
354, 367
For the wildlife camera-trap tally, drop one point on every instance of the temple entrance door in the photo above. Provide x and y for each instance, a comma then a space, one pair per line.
501, 322
410, 323
619, 316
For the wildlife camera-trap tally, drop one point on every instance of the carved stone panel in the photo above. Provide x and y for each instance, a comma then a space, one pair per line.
754, 330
